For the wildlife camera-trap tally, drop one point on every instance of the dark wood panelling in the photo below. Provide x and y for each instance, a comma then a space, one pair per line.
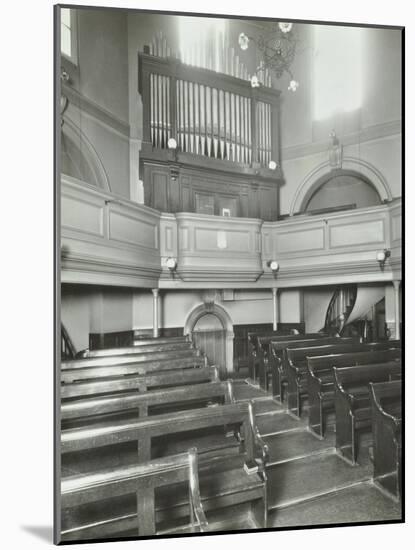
127, 337
212, 343
240, 342
111, 339
289, 326
173, 188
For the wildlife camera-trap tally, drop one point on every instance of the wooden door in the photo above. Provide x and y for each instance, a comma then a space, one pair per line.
210, 337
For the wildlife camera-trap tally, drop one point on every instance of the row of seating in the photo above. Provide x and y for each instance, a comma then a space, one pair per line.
126, 430
338, 375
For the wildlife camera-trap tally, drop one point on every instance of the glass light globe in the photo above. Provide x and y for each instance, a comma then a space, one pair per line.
285, 27
293, 85
172, 143
272, 165
243, 41
254, 81
171, 263
274, 265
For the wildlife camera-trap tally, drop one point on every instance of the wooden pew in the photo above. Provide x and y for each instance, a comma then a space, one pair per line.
263, 349
245, 451
134, 404
386, 404
142, 348
320, 381
276, 363
129, 358
142, 480
142, 381
127, 369
296, 367
352, 402
253, 348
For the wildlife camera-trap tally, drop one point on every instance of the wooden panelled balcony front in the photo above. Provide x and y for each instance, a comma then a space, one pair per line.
115, 241
218, 123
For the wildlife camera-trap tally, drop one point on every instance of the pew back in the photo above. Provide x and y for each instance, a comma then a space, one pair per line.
140, 382
300, 355
137, 350
132, 358
129, 369
142, 479
142, 402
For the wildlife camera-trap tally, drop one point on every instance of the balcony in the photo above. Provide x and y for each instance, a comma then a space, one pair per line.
108, 240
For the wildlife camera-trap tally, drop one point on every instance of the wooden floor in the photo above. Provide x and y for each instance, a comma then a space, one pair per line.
309, 484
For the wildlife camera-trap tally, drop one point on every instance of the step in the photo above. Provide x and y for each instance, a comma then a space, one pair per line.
298, 444
358, 503
311, 476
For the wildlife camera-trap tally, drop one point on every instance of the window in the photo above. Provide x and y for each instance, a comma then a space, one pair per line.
338, 70
68, 34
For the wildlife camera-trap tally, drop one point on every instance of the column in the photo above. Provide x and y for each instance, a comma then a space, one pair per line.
155, 292
275, 308
397, 310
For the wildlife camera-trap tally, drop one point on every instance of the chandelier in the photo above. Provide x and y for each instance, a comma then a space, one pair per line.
277, 47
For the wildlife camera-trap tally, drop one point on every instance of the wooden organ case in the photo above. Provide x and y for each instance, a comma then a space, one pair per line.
226, 134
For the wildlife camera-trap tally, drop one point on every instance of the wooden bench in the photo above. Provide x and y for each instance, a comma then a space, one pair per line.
253, 348
352, 403
244, 451
320, 382
134, 404
141, 480
296, 367
141, 380
127, 369
386, 403
276, 363
263, 350
136, 350
129, 358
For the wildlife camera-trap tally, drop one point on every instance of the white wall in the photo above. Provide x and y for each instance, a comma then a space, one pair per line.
371, 133
88, 309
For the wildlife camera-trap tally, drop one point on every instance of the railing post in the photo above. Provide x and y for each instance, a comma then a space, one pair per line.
155, 292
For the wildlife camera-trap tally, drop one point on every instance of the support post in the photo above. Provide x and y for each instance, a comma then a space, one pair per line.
275, 308
155, 292
397, 310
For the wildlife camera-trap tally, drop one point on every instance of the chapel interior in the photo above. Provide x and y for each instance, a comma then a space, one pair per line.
228, 198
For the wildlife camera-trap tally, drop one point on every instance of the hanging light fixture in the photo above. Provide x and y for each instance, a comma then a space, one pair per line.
277, 47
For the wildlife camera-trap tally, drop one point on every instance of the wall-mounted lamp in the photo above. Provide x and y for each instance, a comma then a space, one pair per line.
273, 265
382, 256
272, 165
171, 264
172, 143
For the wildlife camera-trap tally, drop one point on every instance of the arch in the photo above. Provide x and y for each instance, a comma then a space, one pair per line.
226, 322
316, 177
89, 167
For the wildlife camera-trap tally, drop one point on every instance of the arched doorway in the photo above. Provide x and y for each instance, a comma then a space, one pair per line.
212, 331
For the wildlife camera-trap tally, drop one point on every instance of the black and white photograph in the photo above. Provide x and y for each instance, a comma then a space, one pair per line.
229, 279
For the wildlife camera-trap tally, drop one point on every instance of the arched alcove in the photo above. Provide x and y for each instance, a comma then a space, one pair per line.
209, 316
79, 158
341, 188
355, 168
